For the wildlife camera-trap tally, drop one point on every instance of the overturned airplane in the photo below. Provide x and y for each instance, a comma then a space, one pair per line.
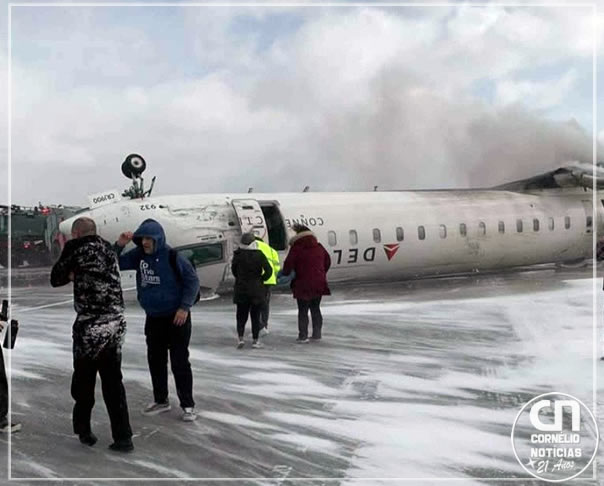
374, 235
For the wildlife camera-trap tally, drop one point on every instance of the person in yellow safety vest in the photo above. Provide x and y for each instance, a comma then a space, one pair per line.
273, 259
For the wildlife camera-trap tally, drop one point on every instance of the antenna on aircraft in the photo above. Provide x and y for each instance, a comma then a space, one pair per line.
132, 168
306, 189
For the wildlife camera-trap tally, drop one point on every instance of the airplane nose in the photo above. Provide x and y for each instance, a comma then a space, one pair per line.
65, 226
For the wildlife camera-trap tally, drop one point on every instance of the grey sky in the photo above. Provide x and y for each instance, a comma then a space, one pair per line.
220, 99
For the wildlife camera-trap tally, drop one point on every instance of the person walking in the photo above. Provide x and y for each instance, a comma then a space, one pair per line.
167, 286
273, 259
251, 269
90, 263
310, 262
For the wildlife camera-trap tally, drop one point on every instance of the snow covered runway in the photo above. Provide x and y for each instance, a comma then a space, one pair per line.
411, 380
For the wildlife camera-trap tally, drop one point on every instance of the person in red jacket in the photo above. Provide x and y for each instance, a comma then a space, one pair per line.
310, 262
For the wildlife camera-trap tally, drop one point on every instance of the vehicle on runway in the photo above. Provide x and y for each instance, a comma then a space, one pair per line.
374, 236
35, 239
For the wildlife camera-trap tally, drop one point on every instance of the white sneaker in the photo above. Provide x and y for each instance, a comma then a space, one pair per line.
257, 345
240, 344
264, 331
189, 414
156, 408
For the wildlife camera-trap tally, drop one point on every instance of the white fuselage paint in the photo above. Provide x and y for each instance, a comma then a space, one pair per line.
195, 219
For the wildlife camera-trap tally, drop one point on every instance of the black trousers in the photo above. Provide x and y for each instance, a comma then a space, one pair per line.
243, 311
163, 337
3, 389
265, 307
108, 364
317, 318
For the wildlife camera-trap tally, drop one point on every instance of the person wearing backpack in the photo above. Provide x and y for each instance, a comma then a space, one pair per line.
251, 270
167, 287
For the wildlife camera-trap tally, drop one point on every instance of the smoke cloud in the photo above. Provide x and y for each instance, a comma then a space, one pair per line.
337, 99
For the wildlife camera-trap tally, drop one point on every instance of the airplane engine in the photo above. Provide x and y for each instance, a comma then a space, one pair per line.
133, 166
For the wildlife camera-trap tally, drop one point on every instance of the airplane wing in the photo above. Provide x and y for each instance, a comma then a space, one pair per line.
575, 174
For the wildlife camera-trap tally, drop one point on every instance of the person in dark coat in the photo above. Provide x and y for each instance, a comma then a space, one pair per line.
251, 269
98, 331
310, 262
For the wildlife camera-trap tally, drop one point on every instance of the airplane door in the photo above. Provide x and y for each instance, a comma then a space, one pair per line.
251, 218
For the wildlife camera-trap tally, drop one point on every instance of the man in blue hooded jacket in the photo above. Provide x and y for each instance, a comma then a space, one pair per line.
167, 285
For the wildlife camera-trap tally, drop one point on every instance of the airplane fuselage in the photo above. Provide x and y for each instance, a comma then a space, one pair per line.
372, 235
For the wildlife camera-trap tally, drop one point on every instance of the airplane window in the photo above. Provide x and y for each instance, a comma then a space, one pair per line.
501, 227
482, 228
354, 238
443, 231
567, 222
535, 224
550, 224
519, 225
421, 232
462, 229
400, 234
377, 236
331, 238
203, 254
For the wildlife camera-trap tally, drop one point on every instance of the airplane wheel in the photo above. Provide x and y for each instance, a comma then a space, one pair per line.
134, 165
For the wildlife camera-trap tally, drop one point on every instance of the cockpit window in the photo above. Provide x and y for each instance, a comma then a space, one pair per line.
205, 254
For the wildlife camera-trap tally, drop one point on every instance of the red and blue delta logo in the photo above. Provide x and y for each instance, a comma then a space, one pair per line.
390, 250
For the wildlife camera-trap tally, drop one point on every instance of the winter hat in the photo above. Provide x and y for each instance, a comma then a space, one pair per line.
247, 238
299, 228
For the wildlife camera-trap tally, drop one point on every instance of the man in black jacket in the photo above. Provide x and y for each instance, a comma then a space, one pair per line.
98, 331
251, 269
